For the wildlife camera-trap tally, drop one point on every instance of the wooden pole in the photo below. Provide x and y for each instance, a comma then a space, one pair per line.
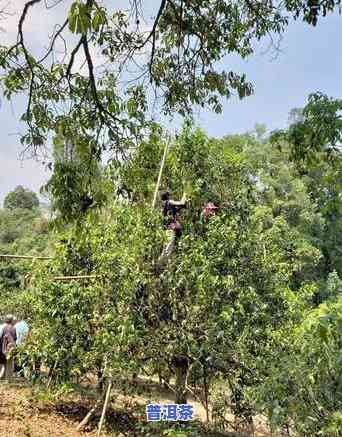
206, 390
51, 373
70, 278
160, 173
89, 415
25, 257
105, 405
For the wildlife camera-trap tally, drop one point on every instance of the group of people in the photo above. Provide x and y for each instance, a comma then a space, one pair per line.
12, 333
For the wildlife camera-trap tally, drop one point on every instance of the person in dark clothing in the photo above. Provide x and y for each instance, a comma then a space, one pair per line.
7, 344
171, 211
171, 208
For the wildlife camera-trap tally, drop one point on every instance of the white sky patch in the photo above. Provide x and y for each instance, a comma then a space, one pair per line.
38, 26
41, 24
29, 173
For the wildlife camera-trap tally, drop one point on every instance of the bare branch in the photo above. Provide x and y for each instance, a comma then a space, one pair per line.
72, 57
90, 69
54, 38
152, 34
55, 3
27, 6
21, 43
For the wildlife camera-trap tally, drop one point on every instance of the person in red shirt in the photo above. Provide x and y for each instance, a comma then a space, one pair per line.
209, 209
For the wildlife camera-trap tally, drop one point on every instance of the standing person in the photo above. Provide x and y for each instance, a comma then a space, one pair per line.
7, 344
22, 330
2, 357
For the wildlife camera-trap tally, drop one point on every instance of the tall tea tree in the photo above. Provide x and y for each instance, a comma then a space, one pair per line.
213, 309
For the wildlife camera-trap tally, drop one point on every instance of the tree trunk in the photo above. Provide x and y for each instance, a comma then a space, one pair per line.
181, 372
206, 393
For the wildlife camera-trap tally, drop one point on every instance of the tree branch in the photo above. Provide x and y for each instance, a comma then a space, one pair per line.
27, 6
72, 57
54, 38
21, 43
92, 80
155, 24
91, 74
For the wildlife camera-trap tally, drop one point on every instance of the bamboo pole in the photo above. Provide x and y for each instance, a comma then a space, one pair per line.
51, 373
160, 172
206, 393
89, 415
25, 257
70, 278
105, 405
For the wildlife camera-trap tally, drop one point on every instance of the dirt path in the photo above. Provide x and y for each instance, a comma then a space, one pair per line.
28, 412
20, 416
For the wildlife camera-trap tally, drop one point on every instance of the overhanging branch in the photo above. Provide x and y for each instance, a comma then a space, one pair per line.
54, 38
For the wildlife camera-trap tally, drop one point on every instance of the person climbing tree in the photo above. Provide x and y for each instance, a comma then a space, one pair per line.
209, 210
171, 208
171, 211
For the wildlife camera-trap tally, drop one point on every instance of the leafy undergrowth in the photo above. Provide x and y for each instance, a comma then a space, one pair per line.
27, 411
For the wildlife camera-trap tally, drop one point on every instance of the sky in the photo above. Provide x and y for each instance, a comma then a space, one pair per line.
310, 60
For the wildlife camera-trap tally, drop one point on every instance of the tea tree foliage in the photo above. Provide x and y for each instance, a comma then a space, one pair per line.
314, 142
240, 303
316, 130
23, 231
170, 64
251, 295
307, 392
236, 285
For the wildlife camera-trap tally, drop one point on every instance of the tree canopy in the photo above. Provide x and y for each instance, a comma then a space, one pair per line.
234, 302
174, 57
21, 197
23, 231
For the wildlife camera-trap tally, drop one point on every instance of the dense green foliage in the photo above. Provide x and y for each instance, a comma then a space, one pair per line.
315, 148
248, 306
172, 50
315, 131
23, 231
304, 381
21, 198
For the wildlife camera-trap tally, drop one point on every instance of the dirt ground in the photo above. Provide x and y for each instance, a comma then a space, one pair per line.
25, 412
21, 416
